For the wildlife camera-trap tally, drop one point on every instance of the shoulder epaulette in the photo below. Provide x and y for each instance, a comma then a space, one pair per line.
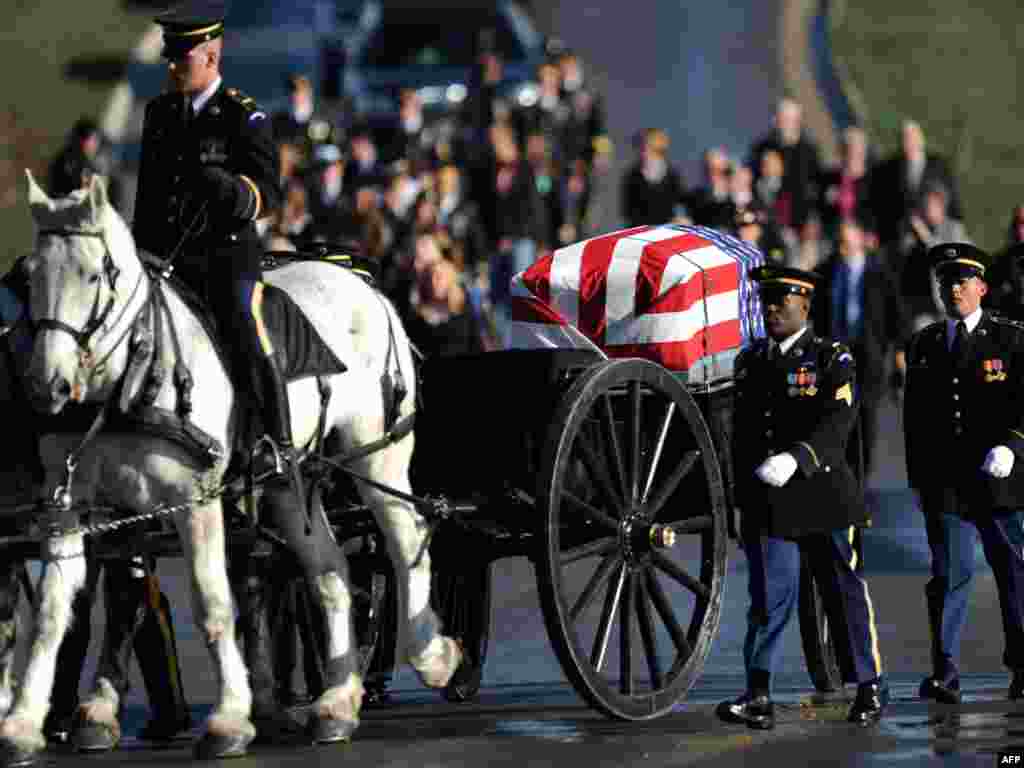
839, 353
240, 98
1001, 320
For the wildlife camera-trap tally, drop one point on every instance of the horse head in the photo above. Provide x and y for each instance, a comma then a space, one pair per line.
84, 254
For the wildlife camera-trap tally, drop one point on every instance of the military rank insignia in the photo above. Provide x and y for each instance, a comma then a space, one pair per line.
803, 383
994, 370
845, 393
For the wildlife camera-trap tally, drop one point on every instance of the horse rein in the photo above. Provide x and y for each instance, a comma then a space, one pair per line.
96, 322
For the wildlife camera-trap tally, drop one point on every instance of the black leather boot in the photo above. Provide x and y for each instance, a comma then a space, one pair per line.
870, 702
753, 709
278, 421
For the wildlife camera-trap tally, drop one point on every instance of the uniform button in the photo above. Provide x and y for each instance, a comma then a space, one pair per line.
956, 414
956, 396
233, 238
767, 413
958, 430
769, 433
170, 219
828, 468
956, 380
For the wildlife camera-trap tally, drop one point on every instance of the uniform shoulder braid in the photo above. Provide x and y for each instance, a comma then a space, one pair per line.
1004, 321
836, 353
247, 102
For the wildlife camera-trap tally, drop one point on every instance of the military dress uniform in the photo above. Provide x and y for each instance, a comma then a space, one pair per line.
963, 403
799, 398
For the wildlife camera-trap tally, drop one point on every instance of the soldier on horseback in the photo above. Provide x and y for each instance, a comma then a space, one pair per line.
207, 173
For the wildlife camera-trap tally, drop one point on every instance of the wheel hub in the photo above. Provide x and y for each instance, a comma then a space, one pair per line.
640, 537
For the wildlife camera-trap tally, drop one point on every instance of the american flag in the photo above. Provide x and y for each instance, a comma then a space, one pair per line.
678, 295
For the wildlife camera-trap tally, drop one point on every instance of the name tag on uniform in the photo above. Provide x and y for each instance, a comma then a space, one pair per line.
213, 151
993, 370
802, 383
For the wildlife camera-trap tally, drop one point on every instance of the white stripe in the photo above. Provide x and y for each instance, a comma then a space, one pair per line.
656, 235
625, 263
678, 271
675, 326
565, 282
523, 335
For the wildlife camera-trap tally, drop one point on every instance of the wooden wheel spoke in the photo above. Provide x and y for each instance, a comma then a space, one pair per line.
678, 574
604, 627
668, 618
592, 549
598, 471
650, 642
658, 447
599, 577
626, 636
613, 440
635, 428
664, 493
696, 524
595, 514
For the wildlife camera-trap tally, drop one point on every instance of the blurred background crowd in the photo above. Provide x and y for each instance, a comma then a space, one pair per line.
449, 203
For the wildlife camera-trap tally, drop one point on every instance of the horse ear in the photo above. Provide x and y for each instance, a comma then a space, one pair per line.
38, 200
97, 198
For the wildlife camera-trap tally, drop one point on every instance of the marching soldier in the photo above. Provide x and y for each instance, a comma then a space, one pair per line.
964, 425
796, 405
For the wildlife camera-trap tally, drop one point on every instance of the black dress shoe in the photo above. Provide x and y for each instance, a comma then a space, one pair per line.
942, 691
163, 729
1017, 686
867, 707
754, 711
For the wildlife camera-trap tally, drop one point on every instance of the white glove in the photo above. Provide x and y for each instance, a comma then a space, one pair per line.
776, 470
999, 462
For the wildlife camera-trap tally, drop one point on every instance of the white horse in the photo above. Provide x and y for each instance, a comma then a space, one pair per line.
85, 260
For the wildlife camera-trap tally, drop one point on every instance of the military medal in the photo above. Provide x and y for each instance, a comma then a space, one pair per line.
994, 370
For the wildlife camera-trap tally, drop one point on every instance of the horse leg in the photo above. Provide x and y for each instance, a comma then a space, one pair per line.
64, 572
228, 730
10, 594
434, 656
97, 727
335, 714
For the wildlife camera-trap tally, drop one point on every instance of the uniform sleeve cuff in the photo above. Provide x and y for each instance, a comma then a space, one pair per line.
806, 458
1016, 443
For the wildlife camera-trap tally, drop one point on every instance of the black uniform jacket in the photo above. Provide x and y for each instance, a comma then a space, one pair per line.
803, 403
952, 418
230, 132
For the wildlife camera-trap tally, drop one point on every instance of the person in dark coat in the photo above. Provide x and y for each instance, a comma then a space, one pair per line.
964, 428
859, 304
801, 160
1006, 284
796, 402
899, 182
653, 192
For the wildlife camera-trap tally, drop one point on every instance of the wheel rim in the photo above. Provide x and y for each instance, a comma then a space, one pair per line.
634, 611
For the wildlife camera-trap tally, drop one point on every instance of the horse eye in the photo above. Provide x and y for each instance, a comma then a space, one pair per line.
93, 279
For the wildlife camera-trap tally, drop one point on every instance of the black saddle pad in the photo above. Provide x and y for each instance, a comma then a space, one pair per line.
300, 350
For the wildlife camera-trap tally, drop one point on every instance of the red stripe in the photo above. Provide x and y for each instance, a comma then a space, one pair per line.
683, 355
537, 278
717, 280
653, 261
529, 310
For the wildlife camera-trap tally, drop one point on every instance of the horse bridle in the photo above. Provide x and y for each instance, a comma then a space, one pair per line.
97, 319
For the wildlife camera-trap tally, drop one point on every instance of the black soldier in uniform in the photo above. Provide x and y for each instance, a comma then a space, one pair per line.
964, 425
795, 407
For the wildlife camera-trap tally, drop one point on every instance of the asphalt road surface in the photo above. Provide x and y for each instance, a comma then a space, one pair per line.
708, 73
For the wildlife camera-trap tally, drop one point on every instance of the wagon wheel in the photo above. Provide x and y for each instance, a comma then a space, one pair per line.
816, 636
634, 510
462, 600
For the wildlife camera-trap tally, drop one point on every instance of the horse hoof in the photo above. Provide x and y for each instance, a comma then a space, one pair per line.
277, 728
93, 737
216, 746
325, 730
12, 756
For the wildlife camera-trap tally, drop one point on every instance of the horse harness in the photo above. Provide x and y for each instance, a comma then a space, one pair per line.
59, 515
